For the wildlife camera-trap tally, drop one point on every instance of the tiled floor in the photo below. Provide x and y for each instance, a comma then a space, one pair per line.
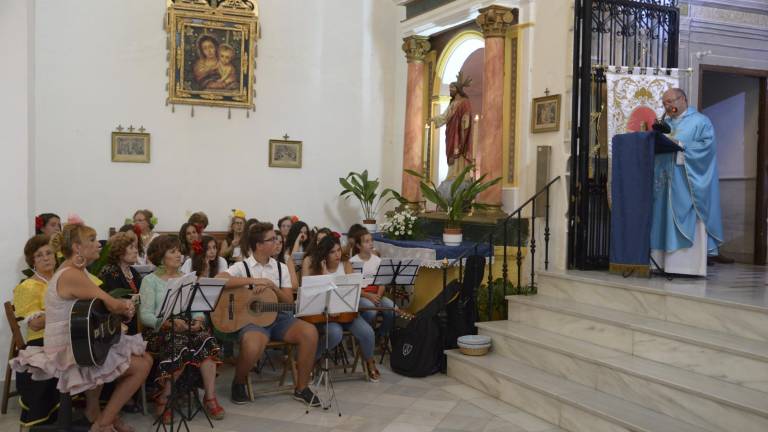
737, 283
395, 404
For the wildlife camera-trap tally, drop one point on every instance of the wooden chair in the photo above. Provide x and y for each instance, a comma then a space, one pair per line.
17, 343
288, 364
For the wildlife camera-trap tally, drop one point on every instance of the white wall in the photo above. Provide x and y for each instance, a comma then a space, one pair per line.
325, 74
16, 218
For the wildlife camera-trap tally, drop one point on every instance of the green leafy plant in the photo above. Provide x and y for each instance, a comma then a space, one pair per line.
500, 290
462, 195
364, 190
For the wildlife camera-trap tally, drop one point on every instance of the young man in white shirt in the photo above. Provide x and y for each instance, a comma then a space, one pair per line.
262, 273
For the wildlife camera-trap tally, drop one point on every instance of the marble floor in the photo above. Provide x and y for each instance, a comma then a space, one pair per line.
395, 404
736, 283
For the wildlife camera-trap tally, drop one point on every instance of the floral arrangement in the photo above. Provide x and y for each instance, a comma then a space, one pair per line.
401, 225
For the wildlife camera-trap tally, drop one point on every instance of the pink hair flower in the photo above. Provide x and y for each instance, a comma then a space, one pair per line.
294, 219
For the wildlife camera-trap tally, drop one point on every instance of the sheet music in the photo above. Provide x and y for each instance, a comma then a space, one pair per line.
313, 294
177, 295
208, 295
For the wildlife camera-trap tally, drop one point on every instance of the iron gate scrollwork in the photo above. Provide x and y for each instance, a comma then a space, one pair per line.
634, 33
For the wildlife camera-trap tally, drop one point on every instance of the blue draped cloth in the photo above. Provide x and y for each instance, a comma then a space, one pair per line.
631, 201
684, 193
441, 250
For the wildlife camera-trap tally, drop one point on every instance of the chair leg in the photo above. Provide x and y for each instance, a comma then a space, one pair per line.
7, 382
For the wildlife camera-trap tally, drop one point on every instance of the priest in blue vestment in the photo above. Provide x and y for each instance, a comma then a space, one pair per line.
687, 223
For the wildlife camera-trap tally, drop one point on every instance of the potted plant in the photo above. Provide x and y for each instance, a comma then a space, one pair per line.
364, 190
461, 196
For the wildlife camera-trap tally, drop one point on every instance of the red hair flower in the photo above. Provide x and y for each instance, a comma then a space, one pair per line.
294, 219
38, 223
136, 230
336, 235
197, 247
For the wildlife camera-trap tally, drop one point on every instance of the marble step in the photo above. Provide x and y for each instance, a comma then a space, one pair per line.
571, 406
660, 299
730, 358
685, 395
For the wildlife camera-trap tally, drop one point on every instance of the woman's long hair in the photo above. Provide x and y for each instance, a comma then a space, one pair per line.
198, 259
185, 247
281, 254
321, 251
293, 234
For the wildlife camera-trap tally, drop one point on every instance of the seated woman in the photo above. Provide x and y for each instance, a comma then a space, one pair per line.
145, 220
372, 295
126, 362
284, 225
118, 273
47, 224
230, 247
298, 238
205, 260
326, 259
281, 257
350, 249
199, 220
39, 400
165, 254
141, 256
188, 234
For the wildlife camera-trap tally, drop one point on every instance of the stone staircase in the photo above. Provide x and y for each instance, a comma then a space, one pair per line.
616, 355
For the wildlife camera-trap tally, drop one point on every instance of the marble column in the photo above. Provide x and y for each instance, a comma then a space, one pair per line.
416, 48
494, 21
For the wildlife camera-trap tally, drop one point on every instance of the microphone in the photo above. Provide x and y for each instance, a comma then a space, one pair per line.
661, 126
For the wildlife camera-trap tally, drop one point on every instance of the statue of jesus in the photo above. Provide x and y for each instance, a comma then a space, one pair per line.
458, 126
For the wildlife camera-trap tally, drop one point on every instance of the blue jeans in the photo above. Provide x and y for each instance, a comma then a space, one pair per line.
360, 329
388, 316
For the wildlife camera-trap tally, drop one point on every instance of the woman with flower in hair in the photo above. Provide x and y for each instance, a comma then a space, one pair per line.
205, 260
47, 224
284, 224
230, 247
146, 222
126, 362
165, 253
325, 259
188, 234
142, 254
119, 273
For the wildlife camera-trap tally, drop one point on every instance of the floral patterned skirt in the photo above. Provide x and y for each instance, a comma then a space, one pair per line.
174, 351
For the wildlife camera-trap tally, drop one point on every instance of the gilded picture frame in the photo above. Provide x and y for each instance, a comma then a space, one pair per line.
285, 154
211, 52
131, 147
545, 114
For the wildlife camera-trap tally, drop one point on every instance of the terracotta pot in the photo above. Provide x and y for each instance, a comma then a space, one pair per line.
370, 225
452, 236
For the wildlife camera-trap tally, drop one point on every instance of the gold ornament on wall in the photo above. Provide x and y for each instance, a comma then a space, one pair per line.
211, 52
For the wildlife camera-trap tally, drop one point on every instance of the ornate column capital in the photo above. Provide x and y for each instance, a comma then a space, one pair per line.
495, 20
416, 48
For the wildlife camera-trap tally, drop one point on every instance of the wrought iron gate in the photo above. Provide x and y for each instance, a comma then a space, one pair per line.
641, 33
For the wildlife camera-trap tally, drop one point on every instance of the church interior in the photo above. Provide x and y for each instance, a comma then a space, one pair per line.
385, 215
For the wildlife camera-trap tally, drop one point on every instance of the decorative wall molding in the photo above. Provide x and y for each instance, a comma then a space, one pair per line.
451, 15
751, 6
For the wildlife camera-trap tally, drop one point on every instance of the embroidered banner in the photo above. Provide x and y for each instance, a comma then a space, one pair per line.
634, 101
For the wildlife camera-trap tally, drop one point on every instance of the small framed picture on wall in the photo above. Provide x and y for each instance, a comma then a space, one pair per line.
545, 114
284, 154
130, 147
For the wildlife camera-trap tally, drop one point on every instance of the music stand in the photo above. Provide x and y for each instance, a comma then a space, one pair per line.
143, 270
397, 272
184, 296
327, 295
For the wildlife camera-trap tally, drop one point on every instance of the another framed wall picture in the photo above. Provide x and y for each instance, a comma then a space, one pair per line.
545, 114
284, 154
130, 147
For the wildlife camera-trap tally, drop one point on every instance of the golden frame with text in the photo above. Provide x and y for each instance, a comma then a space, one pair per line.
130, 147
284, 154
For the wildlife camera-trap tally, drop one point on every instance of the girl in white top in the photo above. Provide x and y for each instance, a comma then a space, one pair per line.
372, 295
205, 261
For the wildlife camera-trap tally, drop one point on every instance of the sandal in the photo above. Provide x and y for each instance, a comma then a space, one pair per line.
213, 409
373, 373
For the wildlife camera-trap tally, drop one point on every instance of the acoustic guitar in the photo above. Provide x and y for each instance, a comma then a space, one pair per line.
239, 307
92, 331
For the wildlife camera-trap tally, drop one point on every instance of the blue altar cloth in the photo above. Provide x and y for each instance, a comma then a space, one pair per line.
441, 250
632, 198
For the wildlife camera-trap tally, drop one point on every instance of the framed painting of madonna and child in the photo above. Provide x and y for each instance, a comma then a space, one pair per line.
211, 55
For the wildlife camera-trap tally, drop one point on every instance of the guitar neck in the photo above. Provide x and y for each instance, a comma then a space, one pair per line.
277, 307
